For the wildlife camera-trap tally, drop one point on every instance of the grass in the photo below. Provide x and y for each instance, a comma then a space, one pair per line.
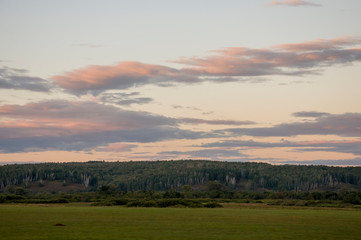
89, 222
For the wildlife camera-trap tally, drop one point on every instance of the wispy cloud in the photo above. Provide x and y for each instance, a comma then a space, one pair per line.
235, 64
77, 126
345, 162
345, 125
95, 79
293, 3
116, 147
124, 99
11, 78
310, 114
186, 107
344, 146
90, 126
287, 59
215, 154
214, 122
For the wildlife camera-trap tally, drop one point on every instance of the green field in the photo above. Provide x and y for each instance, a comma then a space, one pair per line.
90, 222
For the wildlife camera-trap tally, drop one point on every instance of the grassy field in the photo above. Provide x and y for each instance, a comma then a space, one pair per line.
89, 222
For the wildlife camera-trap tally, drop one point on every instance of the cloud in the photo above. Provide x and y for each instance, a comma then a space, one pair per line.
353, 147
346, 162
234, 64
192, 108
345, 146
95, 79
79, 116
321, 44
294, 3
186, 107
345, 125
310, 114
214, 122
81, 126
88, 141
11, 78
124, 99
288, 59
229, 150
116, 147
90, 126
214, 154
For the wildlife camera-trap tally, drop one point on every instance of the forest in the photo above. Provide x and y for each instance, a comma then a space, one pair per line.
172, 175
188, 183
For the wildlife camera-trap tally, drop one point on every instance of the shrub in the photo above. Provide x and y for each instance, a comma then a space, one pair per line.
212, 205
14, 197
120, 202
170, 202
134, 204
59, 200
148, 204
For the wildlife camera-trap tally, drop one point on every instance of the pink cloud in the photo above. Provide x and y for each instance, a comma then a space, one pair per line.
288, 59
224, 65
82, 126
59, 117
319, 44
121, 76
293, 3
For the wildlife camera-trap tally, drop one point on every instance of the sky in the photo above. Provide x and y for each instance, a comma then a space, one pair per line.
245, 81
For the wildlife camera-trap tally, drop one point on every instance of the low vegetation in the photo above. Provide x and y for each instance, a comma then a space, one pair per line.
58, 221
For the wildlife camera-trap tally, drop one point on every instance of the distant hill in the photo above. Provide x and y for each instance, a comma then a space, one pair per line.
166, 175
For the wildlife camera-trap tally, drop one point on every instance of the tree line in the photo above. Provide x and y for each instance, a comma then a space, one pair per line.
173, 175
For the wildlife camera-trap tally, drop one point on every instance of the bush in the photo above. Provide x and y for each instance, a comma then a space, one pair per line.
133, 204
163, 203
14, 197
194, 204
120, 202
59, 200
212, 205
170, 202
45, 201
149, 204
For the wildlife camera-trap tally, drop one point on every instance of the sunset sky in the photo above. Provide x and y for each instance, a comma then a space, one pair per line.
266, 81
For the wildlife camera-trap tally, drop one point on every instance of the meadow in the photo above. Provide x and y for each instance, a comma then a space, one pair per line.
80, 221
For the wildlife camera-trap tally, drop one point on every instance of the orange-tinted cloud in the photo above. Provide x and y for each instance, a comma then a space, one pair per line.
320, 44
89, 126
80, 116
121, 76
288, 59
79, 126
225, 65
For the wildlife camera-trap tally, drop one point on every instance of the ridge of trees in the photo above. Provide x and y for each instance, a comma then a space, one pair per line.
173, 175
